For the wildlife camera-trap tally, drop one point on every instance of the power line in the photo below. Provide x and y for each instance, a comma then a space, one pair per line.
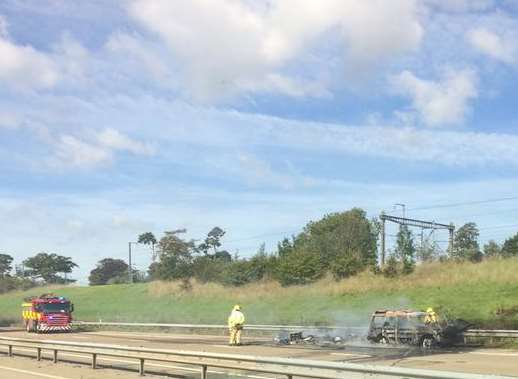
261, 236
499, 227
451, 205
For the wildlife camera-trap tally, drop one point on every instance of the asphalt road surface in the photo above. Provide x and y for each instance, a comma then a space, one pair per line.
76, 366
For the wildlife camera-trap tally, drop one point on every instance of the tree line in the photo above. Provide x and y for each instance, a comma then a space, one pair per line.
341, 244
43, 268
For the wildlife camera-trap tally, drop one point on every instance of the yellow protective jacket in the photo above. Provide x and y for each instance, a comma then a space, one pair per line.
236, 318
430, 318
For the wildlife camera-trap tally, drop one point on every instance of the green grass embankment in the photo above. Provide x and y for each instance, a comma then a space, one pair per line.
485, 294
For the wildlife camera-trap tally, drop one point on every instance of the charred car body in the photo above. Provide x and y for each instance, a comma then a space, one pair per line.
411, 327
300, 338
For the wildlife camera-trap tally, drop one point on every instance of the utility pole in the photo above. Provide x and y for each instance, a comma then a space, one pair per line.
382, 240
403, 207
450, 239
432, 225
130, 270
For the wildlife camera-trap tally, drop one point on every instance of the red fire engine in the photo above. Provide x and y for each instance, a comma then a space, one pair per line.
47, 313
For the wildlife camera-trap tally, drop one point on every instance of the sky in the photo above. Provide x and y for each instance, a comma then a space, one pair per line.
123, 117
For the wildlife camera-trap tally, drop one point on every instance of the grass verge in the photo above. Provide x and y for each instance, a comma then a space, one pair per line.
485, 294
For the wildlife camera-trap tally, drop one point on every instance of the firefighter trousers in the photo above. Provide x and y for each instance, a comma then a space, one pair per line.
235, 335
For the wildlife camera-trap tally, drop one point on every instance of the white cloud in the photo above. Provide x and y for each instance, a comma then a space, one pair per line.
9, 120
3, 27
187, 135
72, 58
226, 47
232, 130
439, 103
23, 67
257, 172
71, 151
460, 6
113, 139
137, 49
502, 48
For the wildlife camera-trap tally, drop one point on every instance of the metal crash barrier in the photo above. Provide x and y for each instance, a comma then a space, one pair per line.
468, 333
287, 367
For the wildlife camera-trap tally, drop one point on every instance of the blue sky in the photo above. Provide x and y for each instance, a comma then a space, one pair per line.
121, 117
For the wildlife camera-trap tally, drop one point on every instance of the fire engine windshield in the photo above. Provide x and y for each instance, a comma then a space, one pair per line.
56, 307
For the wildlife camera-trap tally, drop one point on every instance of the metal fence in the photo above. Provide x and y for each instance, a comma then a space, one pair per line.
289, 368
468, 333
219, 327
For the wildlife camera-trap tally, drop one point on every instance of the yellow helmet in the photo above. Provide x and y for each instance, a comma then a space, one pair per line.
429, 310
237, 307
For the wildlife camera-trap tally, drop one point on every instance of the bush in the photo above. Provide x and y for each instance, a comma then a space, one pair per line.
12, 283
109, 271
345, 266
510, 247
391, 269
299, 267
209, 268
170, 267
238, 273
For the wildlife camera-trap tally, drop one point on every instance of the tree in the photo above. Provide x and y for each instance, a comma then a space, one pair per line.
148, 238
492, 249
175, 257
212, 241
5, 264
338, 235
510, 247
428, 251
465, 243
300, 267
108, 269
391, 269
285, 247
47, 267
343, 243
237, 273
209, 268
346, 265
405, 249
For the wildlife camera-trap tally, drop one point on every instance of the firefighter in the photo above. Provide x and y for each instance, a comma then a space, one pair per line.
236, 321
431, 316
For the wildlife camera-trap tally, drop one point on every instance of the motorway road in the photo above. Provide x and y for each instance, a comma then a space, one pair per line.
474, 360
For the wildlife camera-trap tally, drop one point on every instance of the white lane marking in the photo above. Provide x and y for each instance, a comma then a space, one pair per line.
154, 365
32, 373
81, 337
498, 354
352, 354
162, 336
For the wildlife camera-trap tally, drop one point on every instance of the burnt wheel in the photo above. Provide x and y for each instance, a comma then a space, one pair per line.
428, 342
382, 340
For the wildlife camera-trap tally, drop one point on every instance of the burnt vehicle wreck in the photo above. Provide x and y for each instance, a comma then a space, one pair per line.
412, 328
300, 338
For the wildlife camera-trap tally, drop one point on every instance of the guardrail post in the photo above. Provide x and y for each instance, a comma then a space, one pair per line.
289, 376
38, 354
203, 372
94, 361
55, 357
141, 367
10, 350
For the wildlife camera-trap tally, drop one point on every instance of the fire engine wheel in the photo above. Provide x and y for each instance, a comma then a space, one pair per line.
31, 326
428, 342
383, 340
